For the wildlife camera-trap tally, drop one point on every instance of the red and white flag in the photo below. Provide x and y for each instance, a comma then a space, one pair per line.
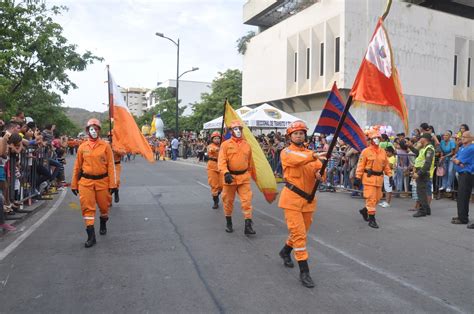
377, 82
125, 133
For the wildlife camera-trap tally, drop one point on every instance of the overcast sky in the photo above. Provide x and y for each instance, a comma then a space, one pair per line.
122, 32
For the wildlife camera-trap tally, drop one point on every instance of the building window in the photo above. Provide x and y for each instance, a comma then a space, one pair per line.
307, 63
321, 61
296, 66
455, 69
338, 47
468, 72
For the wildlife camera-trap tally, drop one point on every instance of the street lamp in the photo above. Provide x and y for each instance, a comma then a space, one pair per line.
176, 43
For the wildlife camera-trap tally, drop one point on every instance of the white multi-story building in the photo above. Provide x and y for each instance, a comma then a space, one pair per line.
303, 46
189, 93
135, 99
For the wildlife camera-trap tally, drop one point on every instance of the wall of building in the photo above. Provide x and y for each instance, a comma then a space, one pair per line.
189, 92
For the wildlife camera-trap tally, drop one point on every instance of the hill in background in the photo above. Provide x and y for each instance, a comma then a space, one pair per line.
80, 116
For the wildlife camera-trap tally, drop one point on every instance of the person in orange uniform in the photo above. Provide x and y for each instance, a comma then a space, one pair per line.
301, 170
162, 150
213, 176
373, 164
235, 163
94, 179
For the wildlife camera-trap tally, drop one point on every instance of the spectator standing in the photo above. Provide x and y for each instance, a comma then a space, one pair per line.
464, 163
424, 169
448, 148
388, 182
174, 148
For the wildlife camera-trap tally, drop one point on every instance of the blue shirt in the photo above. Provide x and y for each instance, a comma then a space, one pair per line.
447, 147
466, 156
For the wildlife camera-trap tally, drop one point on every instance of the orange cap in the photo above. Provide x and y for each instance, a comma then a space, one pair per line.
215, 133
296, 126
374, 133
93, 121
236, 123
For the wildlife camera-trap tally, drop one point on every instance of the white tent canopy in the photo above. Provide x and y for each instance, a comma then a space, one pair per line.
266, 116
217, 122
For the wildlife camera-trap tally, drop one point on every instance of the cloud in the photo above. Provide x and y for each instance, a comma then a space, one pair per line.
122, 32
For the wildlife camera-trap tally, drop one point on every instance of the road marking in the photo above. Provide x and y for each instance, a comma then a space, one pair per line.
187, 163
366, 265
32, 229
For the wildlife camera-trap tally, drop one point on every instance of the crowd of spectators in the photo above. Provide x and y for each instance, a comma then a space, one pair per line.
32, 162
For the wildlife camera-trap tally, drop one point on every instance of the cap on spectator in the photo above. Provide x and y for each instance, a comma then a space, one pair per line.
426, 136
29, 120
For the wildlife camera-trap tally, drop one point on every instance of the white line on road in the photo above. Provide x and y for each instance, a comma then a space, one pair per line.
188, 164
366, 265
32, 229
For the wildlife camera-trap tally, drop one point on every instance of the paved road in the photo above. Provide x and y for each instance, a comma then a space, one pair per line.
167, 252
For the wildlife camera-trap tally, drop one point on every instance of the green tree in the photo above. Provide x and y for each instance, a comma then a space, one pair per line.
225, 85
34, 60
243, 41
166, 107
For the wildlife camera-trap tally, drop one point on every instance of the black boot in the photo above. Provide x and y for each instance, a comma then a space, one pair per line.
306, 279
285, 254
103, 225
248, 227
116, 196
90, 237
419, 213
364, 213
229, 228
372, 222
216, 202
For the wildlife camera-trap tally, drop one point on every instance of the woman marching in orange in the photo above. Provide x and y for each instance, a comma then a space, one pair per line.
94, 179
301, 170
373, 164
213, 175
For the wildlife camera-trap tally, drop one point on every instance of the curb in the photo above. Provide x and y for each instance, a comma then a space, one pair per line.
34, 209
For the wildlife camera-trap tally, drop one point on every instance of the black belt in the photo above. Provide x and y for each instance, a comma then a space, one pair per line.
213, 159
299, 191
238, 172
97, 177
370, 172
117, 162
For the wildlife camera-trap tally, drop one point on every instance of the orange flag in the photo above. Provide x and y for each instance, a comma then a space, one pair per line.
125, 134
377, 82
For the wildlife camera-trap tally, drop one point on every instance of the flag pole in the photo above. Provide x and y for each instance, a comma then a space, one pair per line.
332, 145
110, 103
223, 120
387, 9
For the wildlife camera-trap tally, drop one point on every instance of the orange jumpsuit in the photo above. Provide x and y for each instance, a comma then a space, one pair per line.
162, 149
299, 169
214, 179
235, 155
94, 158
374, 158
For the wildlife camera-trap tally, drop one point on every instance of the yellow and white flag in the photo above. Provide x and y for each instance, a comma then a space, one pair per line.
265, 179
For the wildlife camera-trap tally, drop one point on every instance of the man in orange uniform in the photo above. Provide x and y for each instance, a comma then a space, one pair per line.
235, 162
213, 176
94, 179
373, 164
301, 170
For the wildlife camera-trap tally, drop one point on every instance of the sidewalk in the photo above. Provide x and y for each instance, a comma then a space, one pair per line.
25, 212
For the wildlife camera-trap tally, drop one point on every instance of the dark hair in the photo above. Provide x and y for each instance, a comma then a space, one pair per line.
390, 149
465, 126
424, 126
403, 145
432, 128
19, 112
12, 124
48, 127
14, 139
385, 137
401, 134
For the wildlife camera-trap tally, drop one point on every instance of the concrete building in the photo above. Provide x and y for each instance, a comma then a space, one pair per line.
303, 46
135, 99
189, 93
